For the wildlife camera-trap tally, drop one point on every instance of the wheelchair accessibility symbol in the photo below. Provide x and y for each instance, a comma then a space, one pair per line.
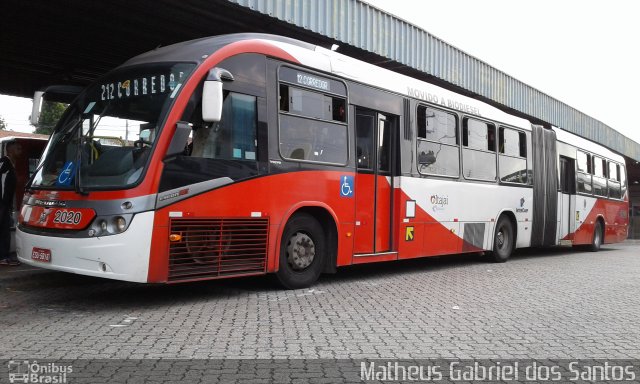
66, 175
346, 186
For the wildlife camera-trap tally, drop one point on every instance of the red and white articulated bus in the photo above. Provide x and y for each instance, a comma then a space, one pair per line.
262, 154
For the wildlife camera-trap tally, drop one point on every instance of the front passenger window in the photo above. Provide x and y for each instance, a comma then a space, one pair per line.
234, 136
227, 148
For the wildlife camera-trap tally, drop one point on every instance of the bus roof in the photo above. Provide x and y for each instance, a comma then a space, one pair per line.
587, 145
328, 61
199, 49
324, 60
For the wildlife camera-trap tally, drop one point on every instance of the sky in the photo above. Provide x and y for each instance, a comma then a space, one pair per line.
16, 111
583, 53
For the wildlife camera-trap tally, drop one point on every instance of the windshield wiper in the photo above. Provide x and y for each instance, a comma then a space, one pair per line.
77, 185
78, 180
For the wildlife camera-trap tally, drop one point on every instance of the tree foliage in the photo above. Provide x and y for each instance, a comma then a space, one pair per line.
3, 124
49, 115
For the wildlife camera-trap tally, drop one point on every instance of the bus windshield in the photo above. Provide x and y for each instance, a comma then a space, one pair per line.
106, 136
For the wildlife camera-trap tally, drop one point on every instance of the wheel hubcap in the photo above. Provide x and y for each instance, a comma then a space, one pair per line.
300, 251
500, 239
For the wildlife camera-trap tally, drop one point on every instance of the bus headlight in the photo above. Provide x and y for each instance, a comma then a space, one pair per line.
109, 225
120, 224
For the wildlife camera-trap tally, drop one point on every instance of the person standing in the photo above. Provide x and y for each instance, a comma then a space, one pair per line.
7, 194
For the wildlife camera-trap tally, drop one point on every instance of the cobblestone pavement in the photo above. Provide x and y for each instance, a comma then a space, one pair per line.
541, 304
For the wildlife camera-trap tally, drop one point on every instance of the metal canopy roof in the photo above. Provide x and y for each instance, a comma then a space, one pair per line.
43, 42
368, 28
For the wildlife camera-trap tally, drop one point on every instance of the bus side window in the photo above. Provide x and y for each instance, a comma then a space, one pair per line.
613, 182
623, 180
584, 172
512, 159
234, 136
312, 126
599, 177
479, 152
227, 148
438, 143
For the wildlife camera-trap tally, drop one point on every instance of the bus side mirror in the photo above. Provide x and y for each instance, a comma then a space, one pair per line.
35, 108
212, 97
179, 140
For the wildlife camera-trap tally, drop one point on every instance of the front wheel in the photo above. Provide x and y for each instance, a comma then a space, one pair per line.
503, 240
302, 252
597, 240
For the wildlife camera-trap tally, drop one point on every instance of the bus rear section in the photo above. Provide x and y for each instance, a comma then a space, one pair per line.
593, 195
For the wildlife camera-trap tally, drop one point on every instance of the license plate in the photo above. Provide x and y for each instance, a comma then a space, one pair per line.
42, 255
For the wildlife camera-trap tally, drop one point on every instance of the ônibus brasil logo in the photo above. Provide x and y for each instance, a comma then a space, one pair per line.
25, 371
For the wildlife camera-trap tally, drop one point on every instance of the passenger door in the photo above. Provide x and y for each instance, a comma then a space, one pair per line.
567, 201
375, 137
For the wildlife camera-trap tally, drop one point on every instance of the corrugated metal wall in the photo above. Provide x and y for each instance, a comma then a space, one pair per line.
363, 26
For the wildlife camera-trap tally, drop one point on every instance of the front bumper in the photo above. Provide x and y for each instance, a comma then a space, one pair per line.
121, 257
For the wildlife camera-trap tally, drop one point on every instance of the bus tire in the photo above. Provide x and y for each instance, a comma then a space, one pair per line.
598, 237
302, 252
503, 240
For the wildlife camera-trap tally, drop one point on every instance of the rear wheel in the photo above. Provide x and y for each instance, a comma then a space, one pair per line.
302, 252
598, 237
503, 240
